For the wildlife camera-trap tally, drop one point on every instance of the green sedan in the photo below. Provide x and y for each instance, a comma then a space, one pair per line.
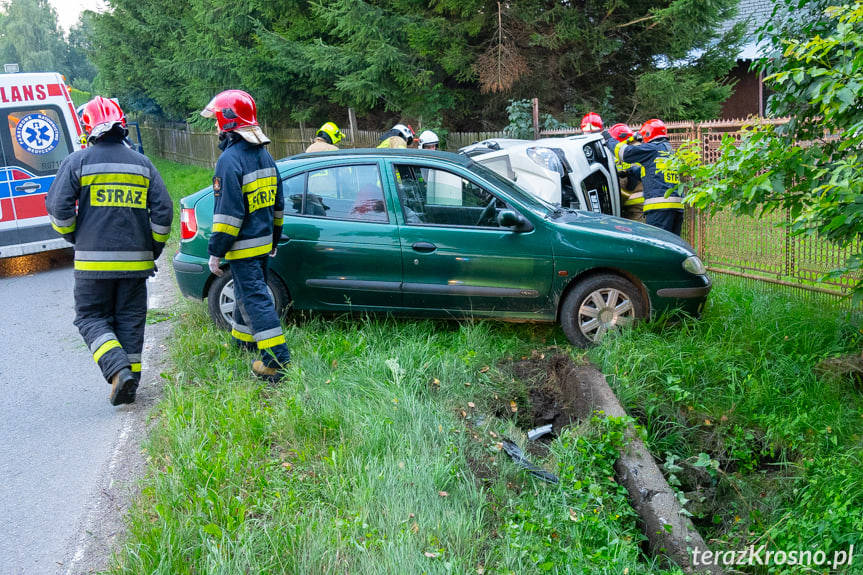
434, 234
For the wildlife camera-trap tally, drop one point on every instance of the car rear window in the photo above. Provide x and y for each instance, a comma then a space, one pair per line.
351, 192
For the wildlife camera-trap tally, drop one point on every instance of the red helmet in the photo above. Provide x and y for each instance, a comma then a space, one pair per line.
621, 132
591, 122
653, 129
100, 115
232, 109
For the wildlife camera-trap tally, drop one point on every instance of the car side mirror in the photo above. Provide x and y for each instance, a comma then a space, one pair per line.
514, 220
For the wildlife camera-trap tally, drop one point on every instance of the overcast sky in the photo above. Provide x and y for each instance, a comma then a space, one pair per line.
69, 10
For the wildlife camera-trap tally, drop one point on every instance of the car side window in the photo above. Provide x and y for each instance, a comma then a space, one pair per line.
434, 196
338, 192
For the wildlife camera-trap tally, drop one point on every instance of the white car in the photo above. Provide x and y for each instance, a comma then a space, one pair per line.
573, 172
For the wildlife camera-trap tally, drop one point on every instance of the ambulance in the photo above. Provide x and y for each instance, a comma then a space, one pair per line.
38, 128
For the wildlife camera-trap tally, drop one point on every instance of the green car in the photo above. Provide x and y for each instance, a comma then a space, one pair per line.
434, 234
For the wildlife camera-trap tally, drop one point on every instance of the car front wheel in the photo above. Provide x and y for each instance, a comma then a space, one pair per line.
600, 304
220, 298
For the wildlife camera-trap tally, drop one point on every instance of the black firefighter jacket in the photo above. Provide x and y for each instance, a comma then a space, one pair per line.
111, 203
659, 183
249, 201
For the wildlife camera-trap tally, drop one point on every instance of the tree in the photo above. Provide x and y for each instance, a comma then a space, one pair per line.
448, 62
29, 36
79, 68
811, 166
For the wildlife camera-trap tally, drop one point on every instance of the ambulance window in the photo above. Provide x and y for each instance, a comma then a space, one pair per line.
36, 139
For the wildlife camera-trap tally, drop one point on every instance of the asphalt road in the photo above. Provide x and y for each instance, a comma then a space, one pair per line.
68, 459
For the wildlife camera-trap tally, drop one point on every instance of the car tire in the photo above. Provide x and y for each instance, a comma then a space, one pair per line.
220, 298
597, 305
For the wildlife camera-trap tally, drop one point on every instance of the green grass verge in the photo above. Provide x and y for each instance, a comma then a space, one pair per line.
381, 452
751, 417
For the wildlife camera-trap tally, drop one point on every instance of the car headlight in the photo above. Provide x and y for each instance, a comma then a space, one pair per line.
546, 158
694, 265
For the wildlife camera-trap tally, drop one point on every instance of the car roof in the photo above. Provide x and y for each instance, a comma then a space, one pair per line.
377, 153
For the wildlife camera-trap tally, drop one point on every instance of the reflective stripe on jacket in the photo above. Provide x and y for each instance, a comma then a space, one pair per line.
657, 181
249, 202
111, 202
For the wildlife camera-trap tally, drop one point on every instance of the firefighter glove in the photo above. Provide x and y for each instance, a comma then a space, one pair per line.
214, 266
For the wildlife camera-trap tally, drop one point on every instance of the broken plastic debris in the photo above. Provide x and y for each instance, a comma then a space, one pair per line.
538, 432
517, 455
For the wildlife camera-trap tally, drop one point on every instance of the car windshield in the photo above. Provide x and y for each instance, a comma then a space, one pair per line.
528, 200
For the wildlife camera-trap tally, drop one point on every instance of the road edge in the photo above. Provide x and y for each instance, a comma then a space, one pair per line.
103, 523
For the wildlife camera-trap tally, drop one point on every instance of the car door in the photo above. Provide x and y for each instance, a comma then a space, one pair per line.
34, 141
341, 249
456, 257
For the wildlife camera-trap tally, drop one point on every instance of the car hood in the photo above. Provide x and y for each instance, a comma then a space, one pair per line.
621, 239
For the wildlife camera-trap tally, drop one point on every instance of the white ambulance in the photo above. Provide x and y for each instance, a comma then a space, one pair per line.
38, 128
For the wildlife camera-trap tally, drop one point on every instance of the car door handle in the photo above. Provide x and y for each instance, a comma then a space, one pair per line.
28, 187
424, 247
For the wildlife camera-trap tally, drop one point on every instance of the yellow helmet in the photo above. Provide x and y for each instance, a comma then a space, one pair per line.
332, 132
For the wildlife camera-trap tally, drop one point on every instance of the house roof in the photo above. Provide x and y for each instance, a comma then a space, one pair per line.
753, 13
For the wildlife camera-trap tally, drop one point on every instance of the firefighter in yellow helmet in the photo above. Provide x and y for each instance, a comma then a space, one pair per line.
326, 139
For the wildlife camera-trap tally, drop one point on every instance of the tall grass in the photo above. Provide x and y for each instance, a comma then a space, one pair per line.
743, 386
369, 459
381, 452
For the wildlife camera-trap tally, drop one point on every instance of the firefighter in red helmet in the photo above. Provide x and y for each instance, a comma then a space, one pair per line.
629, 175
591, 123
111, 203
663, 207
247, 226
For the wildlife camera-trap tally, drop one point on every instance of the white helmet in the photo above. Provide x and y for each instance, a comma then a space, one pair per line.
405, 132
428, 138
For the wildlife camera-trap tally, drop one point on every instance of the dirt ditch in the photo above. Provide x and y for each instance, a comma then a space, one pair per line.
561, 392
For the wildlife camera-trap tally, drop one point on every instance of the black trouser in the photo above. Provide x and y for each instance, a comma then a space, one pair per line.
110, 315
671, 220
255, 317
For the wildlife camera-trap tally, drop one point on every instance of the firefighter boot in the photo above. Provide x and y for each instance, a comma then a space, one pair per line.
123, 387
269, 374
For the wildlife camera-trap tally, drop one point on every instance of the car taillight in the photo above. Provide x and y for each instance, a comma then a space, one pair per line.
188, 224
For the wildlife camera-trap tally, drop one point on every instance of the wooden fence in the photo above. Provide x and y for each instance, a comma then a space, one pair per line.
758, 249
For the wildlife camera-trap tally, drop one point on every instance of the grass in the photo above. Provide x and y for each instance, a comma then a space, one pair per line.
381, 453
741, 393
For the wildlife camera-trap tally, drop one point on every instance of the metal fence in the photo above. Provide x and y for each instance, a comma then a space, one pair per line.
758, 249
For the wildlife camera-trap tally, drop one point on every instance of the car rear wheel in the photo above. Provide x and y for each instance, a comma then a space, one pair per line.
220, 298
600, 304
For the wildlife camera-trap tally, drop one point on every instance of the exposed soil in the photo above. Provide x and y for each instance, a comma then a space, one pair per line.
556, 392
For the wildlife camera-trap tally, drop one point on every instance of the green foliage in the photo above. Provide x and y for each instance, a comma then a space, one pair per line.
741, 406
29, 36
78, 97
520, 125
409, 60
811, 166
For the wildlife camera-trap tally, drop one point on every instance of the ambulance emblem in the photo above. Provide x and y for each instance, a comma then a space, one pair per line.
37, 133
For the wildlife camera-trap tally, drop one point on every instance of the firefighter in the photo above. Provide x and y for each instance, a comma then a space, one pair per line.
629, 175
663, 207
122, 221
399, 136
247, 225
326, 139
428, 140
591, 123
